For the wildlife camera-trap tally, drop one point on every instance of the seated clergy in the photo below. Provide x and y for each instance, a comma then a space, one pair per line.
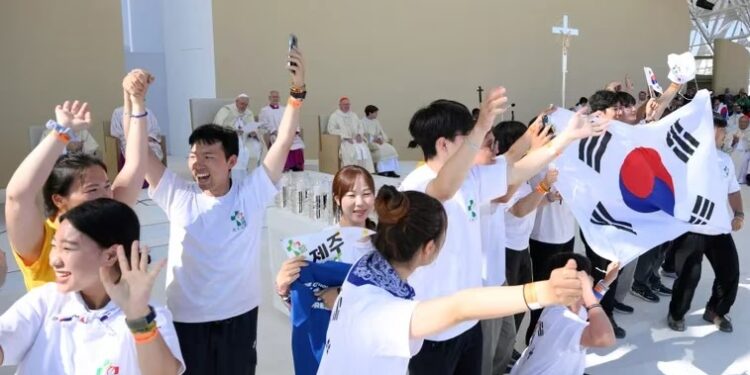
270, 118
118, 131
239, 117
383, 154
354, 149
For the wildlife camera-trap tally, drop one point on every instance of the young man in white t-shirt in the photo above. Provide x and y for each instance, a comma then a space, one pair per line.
450, 140
720, 250
213, 274
563, 334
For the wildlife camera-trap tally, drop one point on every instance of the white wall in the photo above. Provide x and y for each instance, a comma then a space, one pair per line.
143, 42
173, 39
189, 56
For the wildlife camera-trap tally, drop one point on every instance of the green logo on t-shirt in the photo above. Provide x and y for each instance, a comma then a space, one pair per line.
472, 208
238, 218
108, 368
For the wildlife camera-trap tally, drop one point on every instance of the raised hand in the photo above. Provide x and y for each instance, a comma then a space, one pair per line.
613, 270
74, 115
563, 286
136, 84
298, 72
288, 273
581, 126
133, 290
493, 106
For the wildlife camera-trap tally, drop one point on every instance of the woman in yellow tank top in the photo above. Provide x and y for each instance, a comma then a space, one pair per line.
71, 179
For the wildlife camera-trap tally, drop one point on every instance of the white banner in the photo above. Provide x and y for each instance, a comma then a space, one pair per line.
325, 245
636, 187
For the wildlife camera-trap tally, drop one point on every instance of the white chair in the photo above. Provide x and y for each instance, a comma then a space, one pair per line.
328, 148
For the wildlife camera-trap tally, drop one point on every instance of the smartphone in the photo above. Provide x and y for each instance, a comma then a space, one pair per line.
292, 45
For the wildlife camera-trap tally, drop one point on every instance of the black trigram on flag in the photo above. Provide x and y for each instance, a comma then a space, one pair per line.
702, 211
591, 150
682, 143
600, 216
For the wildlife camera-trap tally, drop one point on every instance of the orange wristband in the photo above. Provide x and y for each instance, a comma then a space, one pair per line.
62, 137
146, 337
295, 103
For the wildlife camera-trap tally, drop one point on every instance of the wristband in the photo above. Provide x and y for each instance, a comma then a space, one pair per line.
589, 308
65, 134
294, 102
144, 114
145, 337
600, 290
144, 324
529, 297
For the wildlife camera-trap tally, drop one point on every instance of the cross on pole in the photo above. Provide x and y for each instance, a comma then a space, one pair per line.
480, 90
566, 33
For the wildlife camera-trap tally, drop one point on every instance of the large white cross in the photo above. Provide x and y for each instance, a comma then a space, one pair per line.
566, 33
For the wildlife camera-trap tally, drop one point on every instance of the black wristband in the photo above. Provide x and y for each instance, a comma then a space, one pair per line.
298, 95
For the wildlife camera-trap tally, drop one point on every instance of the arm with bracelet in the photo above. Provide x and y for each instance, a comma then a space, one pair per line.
129, 181
435, 315
277, 154
25, 222
599, 333
131, 291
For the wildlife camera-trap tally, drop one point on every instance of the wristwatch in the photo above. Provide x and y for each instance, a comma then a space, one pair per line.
144, 324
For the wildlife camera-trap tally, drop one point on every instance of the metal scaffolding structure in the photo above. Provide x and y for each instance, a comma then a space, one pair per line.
729, 19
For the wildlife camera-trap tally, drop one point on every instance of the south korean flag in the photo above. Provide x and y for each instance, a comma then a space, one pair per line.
636, 187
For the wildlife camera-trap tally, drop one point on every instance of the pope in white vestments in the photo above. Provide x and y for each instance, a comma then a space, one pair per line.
239, 118
354, 146
383, 153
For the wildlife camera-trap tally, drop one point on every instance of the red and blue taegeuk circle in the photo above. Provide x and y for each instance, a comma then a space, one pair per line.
645, 183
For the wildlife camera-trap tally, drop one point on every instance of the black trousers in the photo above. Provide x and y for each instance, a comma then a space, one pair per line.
647, 266
688, 255
540, 252
457, 356
220, 347
722, 254
517, 272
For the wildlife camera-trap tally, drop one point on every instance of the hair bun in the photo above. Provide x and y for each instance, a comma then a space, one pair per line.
391, 205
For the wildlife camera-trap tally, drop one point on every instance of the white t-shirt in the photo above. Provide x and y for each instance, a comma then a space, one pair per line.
48, 332
459, 263
492, 220
369, 333
555, 348
213, 271
728, 179
518, 229
554, 222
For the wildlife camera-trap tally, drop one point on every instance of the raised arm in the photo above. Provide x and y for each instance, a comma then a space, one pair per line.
128, 183
277, 154
130, 289
436, 315
24, 219
599, 332
454, 172
530, 202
